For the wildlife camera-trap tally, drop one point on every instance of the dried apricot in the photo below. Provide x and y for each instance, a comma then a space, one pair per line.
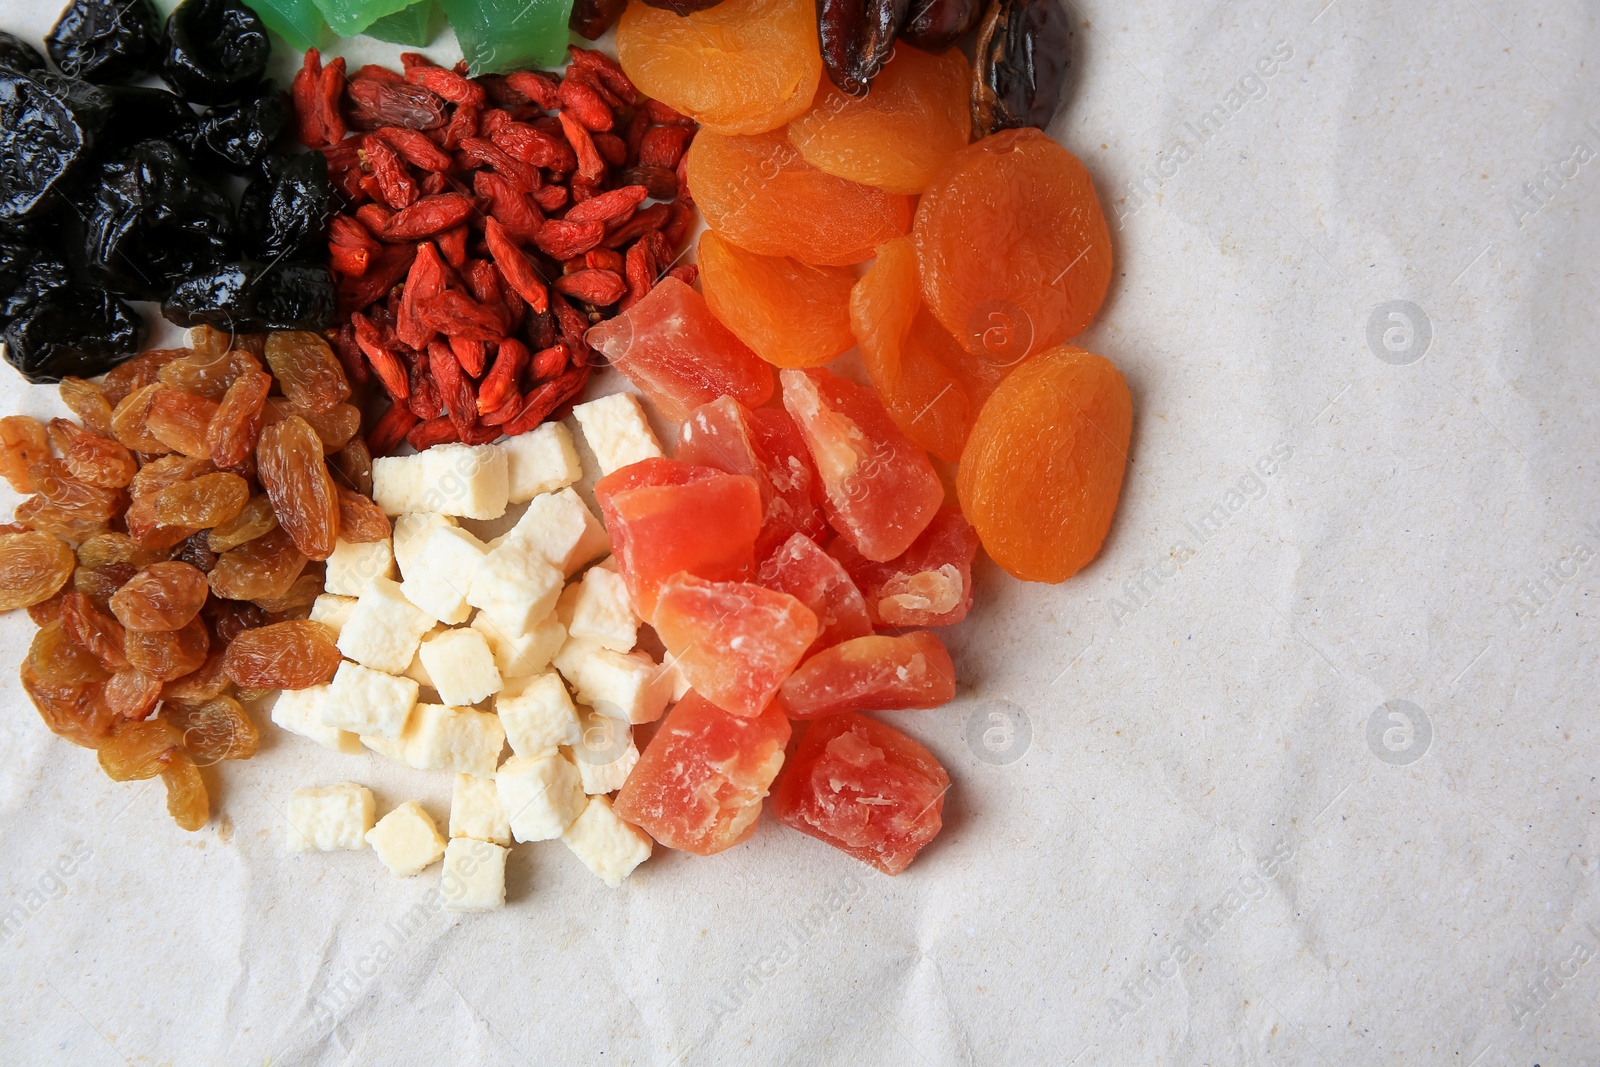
307, 369
213, 730
296, 654
162, 597
33, 566
758, 193
789, 313
1042, 470
1014, 250
295, 476
204, 502
136, 751
743, 66
22, 444
914, 118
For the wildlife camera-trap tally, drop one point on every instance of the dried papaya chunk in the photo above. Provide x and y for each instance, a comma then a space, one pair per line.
1014, 250
743, 66
791, 314
1042, 470
758, 193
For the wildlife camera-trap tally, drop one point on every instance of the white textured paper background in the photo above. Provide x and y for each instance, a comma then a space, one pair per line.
1170, 839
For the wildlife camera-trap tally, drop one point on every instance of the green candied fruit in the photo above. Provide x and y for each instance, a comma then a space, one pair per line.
501, 35
416, 26
350, 17
296, 21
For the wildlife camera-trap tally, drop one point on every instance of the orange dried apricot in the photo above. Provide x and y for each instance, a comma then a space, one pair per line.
1013, 247
744, 66
915, 116
1042, 470
791, 314
758, 193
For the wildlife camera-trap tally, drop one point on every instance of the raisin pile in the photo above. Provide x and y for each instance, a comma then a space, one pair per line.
485, 224
112, 191
171, 543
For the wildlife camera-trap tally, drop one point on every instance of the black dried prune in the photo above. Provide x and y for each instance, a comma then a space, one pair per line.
153, 221
214, 50
72, 330
105, 40
285, 210
141, 114
18, 55
1024, 53
856, 38
29, 268
237, 137
590, 19
252, 298
883, 22
48, 129
938, 24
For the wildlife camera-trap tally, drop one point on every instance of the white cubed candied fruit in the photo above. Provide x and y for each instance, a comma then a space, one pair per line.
392, 747
411, 533
474, 875
300, 712
519, 655
333, 611
628, 686
540, 461
406, 840
541, 796
442, 573
468, 481
515, 588
454, 739
384, 628
397, 484
417, 671
608, 846
353, 565
602, 611
329, 819
540, 717
475, 810
560, 529
461, 667
617, 431
365, 701
605, 752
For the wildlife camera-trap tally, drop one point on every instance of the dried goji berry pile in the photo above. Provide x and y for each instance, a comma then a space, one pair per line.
487, 223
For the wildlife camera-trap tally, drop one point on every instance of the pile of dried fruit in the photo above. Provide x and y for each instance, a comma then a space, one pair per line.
485, 236
201, 506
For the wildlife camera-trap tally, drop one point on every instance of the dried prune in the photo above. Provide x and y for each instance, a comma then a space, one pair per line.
162, 597
139, 750
18, 55
285, 655
857, 37
290, 463
31, 267
154, 222
104, 40
937, 24
75, 330
48, 129
238, 137
213, 50
33, 566
590, 19
1023, 55
285, 210
253, 298
169, 654
139, 114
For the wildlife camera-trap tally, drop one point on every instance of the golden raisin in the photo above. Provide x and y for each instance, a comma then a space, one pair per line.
253, 520
158, 474
296, 654
136, 751
259, 569
133, 694
201, 685
307, 370
180, 420
237, 422
47, 611
162, 597
87, 401
127, 378
56, 661
351, 466
360, 520
335, 427
292, 471
108, 548
130, 421
33, 566
169, 654
22, 444
187, 800
55, 483
230, 618
150, 532
296, 603
94, 631
75, 712
213, 730
100, 461
41, 515
203, 502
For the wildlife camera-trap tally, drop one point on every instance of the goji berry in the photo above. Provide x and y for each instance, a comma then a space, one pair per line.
429, 216
426, 281
501, 383
484, 283
416, 149
612, 149
640, 271
377, 73
638, 126
424, 399
453, 246
387, 433
546, 399
455, 314
350, 355
549, 362
663, 146
386, 270
448, 84
391, 375
598, 287
330, 88
645, 221
530, 144
318, 113
396, 187
590, 166
687, 273
510, 207
541, 89
479, 151
609, 207
551, 197
472, 355
586, 105
661, 182
603, 259
436, 431
455, 391
463, 126
344, 169
606, 71
666, 115
518, 272
560, 239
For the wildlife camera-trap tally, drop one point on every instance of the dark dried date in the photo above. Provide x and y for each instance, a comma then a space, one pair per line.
1023, 56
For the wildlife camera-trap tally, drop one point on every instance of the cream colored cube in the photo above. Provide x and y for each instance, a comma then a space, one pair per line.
418, 671
468, 481
406, 840
330, 819
474, 876
541, 796
561, 530
397, 484
365, 701
540, 461
384, 628
628, 686
603, 612
540, 718
333, 611
411, 533
673, 670
353, 565
461, 666
475, 810
607, 846
617, 431
516, 588
300, 712
605, 753
442, 574
454, 739
392, 747
518, 655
